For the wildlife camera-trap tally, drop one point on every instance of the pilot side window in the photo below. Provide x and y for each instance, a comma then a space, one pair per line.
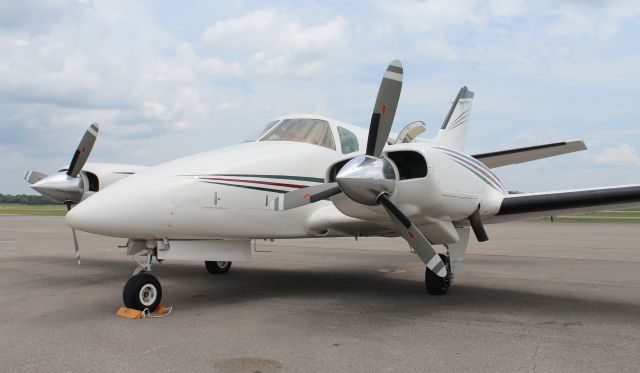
348, 141
306, 130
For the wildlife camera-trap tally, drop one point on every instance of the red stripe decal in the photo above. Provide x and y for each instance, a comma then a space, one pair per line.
475, 167
256, 182
411, 234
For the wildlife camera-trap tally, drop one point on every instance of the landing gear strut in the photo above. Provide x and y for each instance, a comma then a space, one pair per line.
438, 285
217, 268
143, 290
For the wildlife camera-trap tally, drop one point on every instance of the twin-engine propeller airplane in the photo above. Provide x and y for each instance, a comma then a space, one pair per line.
310, 176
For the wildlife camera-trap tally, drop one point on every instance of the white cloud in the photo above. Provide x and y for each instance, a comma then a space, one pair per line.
623, 155
217, 68
228, 105
275, 44
532, 137
163, 85
439, 48
599, 20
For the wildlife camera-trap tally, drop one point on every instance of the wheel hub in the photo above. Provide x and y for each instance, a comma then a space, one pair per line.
148, 294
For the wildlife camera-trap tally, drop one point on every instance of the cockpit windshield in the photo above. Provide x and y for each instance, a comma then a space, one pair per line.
306, 130
266, 128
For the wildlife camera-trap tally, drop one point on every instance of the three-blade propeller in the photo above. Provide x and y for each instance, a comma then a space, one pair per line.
370, 179
67, 187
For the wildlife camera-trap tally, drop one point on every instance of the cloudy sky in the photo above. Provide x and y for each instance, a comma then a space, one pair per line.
168, 79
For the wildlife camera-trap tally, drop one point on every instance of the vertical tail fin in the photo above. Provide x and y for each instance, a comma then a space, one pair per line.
453, 132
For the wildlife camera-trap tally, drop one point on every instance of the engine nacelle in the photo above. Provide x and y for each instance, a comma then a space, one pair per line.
97, 176
93, 177
417, 189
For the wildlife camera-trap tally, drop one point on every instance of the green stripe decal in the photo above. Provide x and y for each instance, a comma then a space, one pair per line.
471, 159
249, 187
280, 177
477, 174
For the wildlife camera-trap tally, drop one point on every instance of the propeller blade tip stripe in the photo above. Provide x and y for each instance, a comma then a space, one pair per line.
393, 76
93, 131
440, 269
434, 261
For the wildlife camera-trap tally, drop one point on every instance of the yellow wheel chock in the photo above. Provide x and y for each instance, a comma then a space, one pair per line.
130, 313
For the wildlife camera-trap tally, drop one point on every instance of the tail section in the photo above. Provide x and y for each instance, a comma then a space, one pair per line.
453, 132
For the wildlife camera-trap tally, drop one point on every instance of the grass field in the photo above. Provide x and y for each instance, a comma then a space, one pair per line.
588, 218
41, 210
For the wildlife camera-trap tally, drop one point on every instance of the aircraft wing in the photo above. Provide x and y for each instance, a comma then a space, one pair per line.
532, 205
531, 153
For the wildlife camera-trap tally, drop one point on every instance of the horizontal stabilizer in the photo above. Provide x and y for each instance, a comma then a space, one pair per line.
532, 205
528, 154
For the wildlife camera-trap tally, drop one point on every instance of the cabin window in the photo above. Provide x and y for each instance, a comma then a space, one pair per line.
348, 141
305, 130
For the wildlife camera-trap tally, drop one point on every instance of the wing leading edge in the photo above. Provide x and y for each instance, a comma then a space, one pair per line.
530, 153
531, 205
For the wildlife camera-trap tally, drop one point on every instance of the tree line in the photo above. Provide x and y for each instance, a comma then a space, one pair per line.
26, 199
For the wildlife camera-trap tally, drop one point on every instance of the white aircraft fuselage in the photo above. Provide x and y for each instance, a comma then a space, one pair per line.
228, 193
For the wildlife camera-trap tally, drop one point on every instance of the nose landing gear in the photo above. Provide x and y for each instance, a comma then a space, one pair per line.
142, 290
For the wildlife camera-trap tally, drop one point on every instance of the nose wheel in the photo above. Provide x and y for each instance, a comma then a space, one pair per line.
142, 291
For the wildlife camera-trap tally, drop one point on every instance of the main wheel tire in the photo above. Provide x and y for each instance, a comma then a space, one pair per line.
217, 268
435, 284
142, 291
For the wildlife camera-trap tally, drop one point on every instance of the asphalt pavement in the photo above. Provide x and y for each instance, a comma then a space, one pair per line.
537, 297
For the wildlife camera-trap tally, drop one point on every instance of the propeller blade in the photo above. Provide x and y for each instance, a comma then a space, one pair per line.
305, 196
385, 108
477, 226
75, 243
414, 237
75, 238
84, 148
34, 176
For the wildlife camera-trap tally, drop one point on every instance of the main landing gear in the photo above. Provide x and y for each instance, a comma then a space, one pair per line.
143, 290
435, 284
217, 268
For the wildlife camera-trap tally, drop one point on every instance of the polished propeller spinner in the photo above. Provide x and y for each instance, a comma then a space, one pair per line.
370, 179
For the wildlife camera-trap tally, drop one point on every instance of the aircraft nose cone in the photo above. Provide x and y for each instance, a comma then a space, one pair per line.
137, 207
